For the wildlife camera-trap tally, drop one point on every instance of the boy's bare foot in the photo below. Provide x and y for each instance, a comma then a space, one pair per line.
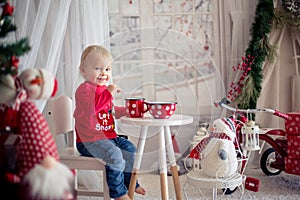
124, 197
140, 190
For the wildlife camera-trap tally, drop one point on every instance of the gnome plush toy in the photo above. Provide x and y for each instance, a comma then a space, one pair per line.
37, 167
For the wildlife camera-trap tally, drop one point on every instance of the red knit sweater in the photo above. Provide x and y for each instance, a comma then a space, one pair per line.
93, 115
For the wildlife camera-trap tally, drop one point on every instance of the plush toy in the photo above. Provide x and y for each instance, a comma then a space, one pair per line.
225, 125
217, 155
217, 151
37, 167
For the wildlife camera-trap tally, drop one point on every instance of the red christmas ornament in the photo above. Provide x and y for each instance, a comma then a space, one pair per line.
8, 10
14, 61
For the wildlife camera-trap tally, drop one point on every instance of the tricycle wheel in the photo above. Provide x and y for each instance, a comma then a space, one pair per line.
267, 158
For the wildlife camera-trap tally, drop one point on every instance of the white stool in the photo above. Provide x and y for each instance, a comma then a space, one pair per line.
197, 181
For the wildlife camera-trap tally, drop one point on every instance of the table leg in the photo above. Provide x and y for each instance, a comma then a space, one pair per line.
137, 160
163, 166
172, 161
215, 194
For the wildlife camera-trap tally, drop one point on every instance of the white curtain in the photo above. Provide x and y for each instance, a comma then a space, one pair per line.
295, 80
273, 94
237, 19
278, 92
58, 31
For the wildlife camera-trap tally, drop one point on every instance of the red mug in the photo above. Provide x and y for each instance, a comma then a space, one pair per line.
161, 109
135, 107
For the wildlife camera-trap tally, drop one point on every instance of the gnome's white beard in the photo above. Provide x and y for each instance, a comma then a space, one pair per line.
52, 183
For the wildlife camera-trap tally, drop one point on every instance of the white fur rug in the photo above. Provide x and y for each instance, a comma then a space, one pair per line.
283, 186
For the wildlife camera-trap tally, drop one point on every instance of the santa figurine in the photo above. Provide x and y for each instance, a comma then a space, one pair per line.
36, 171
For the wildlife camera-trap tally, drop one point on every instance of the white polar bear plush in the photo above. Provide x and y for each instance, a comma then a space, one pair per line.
217, 154
225, 125
219, 158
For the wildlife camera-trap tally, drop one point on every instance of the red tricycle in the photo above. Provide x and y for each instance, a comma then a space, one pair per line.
284, 151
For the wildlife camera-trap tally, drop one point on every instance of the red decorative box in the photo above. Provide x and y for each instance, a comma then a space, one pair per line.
292, 165
293, 146
292, 125
252, 184
282, 142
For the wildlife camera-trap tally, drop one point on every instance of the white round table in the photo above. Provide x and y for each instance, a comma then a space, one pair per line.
165, 144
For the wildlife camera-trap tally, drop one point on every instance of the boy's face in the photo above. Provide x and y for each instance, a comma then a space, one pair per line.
95, 69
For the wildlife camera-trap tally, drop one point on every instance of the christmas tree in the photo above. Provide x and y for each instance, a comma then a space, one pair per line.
10, 51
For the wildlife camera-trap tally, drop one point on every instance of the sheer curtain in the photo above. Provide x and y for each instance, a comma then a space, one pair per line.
240, 18
58, 31
274, 90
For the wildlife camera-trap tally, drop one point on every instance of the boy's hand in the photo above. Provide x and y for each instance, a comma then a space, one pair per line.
112, 88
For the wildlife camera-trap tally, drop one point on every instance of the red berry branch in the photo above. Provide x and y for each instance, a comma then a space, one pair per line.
242, 68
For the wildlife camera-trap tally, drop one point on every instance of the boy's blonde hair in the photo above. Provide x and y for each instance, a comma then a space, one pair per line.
98, 49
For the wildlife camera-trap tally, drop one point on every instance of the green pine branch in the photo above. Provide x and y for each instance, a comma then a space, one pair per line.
17, 49
10, 51
6, 27
260, 48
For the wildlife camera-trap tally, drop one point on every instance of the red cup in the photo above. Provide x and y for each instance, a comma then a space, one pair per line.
135, 107
161, 109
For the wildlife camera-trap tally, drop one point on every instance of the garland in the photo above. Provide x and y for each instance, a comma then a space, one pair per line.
289, 16
245, 95
258, 49
292, 7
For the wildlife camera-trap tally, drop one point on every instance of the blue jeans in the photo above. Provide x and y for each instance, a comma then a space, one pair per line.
118, 154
